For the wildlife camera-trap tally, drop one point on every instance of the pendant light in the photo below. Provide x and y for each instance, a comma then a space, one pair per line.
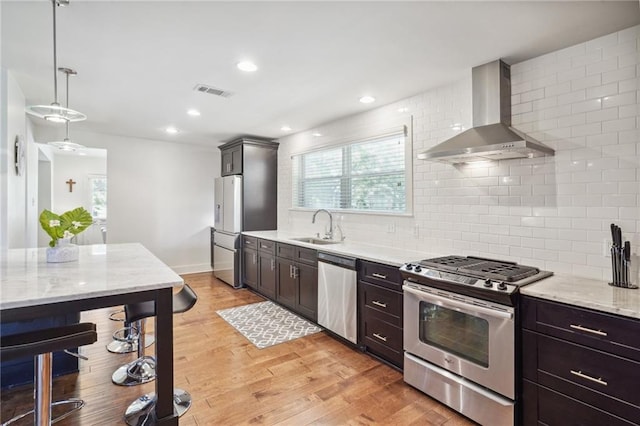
55, 112
66, 144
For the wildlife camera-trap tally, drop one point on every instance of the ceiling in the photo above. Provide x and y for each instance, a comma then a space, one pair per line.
138, 62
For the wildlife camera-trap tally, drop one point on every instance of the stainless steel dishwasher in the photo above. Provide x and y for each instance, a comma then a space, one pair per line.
337, 295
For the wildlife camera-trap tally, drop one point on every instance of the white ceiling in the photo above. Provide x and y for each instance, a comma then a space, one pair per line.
138, 62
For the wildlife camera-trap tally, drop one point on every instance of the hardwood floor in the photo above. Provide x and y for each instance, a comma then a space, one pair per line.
311, 380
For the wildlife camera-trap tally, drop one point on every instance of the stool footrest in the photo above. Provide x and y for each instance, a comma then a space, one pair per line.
78, 404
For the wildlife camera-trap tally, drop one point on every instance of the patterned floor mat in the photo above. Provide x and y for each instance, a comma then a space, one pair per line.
266, 324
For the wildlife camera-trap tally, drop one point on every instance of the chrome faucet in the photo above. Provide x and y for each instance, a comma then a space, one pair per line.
329, 234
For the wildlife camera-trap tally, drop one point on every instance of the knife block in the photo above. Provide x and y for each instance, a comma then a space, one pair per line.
621, 269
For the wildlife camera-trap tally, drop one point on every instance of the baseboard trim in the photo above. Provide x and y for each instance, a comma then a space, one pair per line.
192, 269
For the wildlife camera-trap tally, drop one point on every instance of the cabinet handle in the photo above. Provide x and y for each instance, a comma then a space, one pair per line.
255, 259
579, 373
383, 338
273, 264
295, 272
588, 330
290, 271
375, 302
383, 277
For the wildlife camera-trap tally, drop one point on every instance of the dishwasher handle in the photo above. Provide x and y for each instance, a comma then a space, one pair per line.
341, 261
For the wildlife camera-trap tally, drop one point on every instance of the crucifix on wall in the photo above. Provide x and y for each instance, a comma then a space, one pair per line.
71, 182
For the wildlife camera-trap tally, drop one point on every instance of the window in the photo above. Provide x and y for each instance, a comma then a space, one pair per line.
98, 197
367, 175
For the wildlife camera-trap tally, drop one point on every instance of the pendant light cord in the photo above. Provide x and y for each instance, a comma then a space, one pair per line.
55, 60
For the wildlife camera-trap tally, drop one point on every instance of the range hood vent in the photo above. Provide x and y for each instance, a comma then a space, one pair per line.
491, 137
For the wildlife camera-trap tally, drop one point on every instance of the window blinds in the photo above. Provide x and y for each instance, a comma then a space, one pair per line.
366, 175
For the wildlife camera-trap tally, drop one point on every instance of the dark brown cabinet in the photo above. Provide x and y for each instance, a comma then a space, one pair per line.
231, 161
287, 288
267, 275
257, 161
297, 286
380, 303
579, 366
250, 262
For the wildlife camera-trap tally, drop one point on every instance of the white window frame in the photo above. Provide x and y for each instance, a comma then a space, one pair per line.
361, 137
90, 195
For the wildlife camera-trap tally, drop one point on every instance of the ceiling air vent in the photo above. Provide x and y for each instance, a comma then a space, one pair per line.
212, 90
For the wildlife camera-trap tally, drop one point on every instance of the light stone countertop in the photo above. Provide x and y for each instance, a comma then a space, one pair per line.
26, 279
381, 254
587, 293
576, 291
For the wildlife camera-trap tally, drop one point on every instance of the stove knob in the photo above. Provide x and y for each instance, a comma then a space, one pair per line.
409, 267
488, 283
502, 286
417, 268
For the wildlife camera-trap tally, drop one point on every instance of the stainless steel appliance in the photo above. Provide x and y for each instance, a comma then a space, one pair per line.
491, 137
227, 224
459, 333
337, 295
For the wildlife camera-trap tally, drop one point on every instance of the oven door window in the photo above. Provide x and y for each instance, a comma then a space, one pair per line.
459, 333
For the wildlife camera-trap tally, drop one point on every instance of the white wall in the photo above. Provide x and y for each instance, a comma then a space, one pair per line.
79, 169
17, 208
159, 194
551, 212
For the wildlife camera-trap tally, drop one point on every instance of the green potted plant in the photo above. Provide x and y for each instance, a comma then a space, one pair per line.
61, 228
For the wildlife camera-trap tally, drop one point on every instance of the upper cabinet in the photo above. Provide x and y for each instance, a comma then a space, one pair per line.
232, 161
256, 160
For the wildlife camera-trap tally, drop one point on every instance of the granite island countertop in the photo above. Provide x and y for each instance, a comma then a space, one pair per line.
587, 293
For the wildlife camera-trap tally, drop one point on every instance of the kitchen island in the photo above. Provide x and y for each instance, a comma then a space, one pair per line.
104, 275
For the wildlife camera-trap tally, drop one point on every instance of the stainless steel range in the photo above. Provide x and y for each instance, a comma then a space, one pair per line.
459, 333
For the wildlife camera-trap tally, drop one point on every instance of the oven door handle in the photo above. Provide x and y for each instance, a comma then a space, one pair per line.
446, 302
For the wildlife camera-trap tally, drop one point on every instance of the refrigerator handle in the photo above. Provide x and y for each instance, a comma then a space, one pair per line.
217, 213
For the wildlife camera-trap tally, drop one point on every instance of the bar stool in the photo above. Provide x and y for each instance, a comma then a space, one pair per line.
41, 344
125, 339
142, 410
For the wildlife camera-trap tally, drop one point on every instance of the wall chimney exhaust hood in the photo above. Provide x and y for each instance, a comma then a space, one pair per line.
491, 137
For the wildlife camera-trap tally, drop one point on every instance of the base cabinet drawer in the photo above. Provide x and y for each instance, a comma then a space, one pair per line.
579, 366
384, 301
543, 406
382, 338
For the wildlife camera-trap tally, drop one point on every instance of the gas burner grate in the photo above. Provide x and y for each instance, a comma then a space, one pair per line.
484, 268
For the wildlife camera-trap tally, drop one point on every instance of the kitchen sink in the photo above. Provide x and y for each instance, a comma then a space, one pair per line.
312, 240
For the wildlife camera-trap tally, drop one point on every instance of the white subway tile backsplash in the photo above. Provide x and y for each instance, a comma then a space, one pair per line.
571, 97
599, 67
619, 74
602, 115
627, 98
552, 212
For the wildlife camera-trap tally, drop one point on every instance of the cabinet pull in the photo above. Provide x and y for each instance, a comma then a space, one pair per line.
588, 330
375, 302
290, 271
383, 338
579, 373
383, 277
273, 264
295, 272
255, 259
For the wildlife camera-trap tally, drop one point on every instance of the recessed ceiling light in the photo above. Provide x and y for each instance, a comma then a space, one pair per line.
193, 112
171, 130
285, 128
367, 99
403, 109
247, 66
316, 134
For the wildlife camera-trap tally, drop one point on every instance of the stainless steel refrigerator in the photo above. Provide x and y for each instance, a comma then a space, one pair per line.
228, 225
